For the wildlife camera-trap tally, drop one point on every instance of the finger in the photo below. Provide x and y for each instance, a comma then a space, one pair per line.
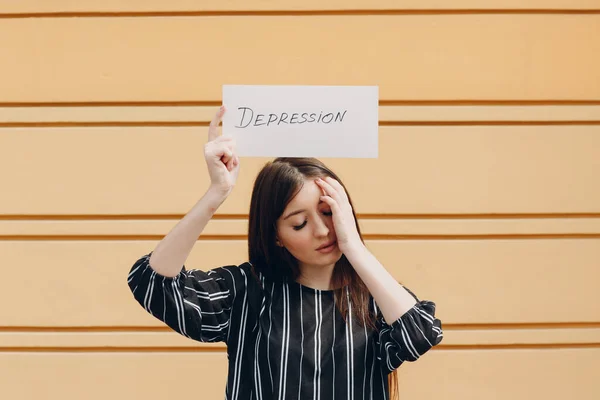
224, 139
332, 203
229, 161
219, 149
227, 156
318, 182
213, 129
222, 152
329, 190
228, 142
337, 186
225, 147
323, 191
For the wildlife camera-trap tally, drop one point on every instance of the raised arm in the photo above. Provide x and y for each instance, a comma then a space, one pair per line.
195, 303
223, 167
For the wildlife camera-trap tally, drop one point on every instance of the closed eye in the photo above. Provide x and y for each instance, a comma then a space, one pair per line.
298, 227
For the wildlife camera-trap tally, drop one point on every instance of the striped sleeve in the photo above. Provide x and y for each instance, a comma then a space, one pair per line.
194, 303
410, 336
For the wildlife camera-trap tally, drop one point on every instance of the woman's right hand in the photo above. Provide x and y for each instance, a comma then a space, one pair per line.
222, 162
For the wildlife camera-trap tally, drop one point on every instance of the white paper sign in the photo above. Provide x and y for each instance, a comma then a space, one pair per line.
302, 121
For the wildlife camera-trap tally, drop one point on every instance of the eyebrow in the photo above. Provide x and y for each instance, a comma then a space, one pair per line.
299, 211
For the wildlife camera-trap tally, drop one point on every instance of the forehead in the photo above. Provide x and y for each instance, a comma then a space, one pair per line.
309, 195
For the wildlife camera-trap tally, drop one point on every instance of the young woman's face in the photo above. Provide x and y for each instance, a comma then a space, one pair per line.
306, 225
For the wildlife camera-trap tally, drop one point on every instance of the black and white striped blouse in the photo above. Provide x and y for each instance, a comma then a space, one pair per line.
286, 341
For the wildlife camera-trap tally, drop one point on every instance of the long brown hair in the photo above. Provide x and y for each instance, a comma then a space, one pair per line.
275, 186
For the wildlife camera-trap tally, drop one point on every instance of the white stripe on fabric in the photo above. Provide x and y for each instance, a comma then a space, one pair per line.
215, 328
287, 344
407, 341
366, 352
349, 383
373, 369
257, 374
143, 264
257, 380
351, 342
388, 359
234, 293
234, 284
216, 312
179, 307
164, 301
149, 291
240, 343
207, 296
301, 345
425, 315
269, 336
318, 344
206, 280
417, 326
195, 307
283, 344
333, 348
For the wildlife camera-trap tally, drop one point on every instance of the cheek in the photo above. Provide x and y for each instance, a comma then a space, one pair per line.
298, 242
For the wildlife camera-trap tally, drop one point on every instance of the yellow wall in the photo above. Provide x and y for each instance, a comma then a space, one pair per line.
485, 197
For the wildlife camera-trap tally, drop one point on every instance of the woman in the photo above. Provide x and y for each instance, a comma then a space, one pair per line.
313, 314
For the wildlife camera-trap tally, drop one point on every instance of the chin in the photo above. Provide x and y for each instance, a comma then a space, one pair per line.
333, 257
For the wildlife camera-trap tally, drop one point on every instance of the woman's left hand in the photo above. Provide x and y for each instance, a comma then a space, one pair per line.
344, 223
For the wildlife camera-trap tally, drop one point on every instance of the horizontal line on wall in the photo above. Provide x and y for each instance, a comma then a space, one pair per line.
517, 346
446, 326
222, 349
279, 13
365, 236
216, 103
108, 217
237, 228
389, 115
167, 338
197, 103
475, 102
115, 349
202, 123
522, 325
91, 329
100, 123
499, 216
484, 123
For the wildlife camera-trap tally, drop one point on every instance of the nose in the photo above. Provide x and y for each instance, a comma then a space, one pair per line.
321, 228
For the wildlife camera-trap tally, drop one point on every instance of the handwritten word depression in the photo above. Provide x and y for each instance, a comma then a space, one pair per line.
250, 118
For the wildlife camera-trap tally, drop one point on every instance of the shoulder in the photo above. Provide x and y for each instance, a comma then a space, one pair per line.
244, 278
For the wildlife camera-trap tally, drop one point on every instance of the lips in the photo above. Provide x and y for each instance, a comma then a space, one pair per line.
326, 245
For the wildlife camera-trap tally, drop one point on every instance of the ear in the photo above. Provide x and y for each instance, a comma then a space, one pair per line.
278, 243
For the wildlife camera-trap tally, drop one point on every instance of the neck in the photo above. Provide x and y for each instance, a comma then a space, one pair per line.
316, 276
